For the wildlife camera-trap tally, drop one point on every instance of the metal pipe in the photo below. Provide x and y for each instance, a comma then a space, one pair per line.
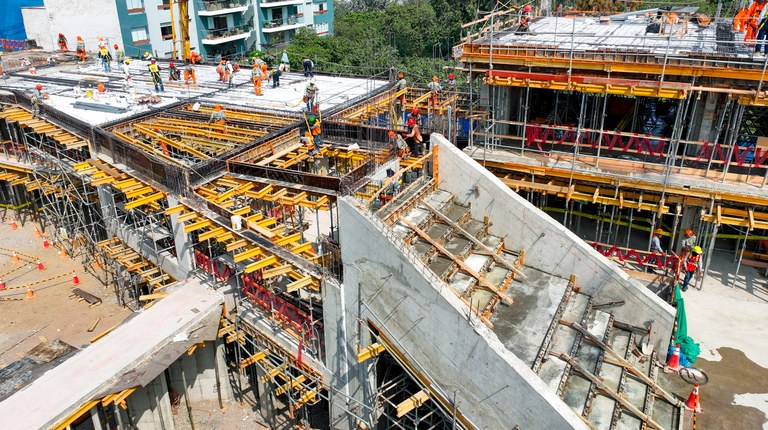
741, 256
186, 396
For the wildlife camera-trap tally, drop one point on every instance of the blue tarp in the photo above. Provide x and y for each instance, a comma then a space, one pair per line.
11, 22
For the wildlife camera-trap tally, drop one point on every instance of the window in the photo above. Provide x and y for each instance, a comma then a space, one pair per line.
166, 31
139, 35
164, 4
135, 5
321, 9
220, 23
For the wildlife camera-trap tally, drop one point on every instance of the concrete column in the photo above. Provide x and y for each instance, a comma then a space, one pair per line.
687, 220
184, 252
107, 201
265, 398
95, 419
706, 120
150, 406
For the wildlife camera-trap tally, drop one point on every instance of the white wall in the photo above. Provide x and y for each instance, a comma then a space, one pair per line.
157, 17
37, 26
87, 18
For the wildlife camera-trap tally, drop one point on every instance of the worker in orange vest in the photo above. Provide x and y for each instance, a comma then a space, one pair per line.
195, 58
219, 117
80, 50
435, 88
257, 76
62, 43
189, 73
315, 129
220, 69
753, 17
691, 266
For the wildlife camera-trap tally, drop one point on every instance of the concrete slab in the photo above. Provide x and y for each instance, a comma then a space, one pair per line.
601, 413
171, 320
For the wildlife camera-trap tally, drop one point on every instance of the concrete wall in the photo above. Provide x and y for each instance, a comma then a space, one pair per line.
200, 373
150, 406
494, 389
85, 18
548, 245
38, 28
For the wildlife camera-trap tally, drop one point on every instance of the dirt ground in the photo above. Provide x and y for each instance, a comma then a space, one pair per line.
52, 314
207, 415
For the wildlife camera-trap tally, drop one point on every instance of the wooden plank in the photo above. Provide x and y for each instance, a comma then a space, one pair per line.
411, 403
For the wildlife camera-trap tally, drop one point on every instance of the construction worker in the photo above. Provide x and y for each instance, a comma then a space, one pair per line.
310, 95
127, 72
435, 89
308, 143
230, 73
525, 20
691, 266
37, 100
415, 115
308, 66
219, 117
753, 17
195, 58
276, 73
398, 142
106, 58
256, 77
762, 34
157, 80
80, 49
656, 247
2, 67
315, 129
189, 73
119, 54
173, 72
220, 69
414, 138
401, 85
450, 85
147, 56
62, 43
689, 241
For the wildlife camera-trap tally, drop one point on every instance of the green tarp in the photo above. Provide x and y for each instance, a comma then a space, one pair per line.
688, 348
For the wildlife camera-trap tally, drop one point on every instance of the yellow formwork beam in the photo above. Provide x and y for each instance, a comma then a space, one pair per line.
291, 385
187, 216
264, 262
236, 245
197, 225
144, 200
370, 351
210, 234
296, 285
253, 252
287, 240
277, 271
175, 209
412, 403
252, 359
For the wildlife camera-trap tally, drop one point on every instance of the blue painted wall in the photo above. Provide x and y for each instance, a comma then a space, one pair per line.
128, 22
11, 22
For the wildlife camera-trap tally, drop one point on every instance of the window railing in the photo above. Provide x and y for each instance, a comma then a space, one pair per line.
289, 20
214, 5
225, 32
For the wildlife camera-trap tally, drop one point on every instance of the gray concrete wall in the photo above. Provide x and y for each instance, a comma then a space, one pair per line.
201, 375
428, 323
548, 245
150, 406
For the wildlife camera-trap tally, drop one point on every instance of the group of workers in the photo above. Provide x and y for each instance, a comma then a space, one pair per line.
690, 257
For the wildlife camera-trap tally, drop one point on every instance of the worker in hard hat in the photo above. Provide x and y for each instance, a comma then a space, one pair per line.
691, 265
689, 241
219, 117
315, 129
173, 72
414, 138
106, 58
62, 43
399, 143
311, 95
154, 72
416, 115
256, 76
189, 73
221, 70
435, 89
525, 20
37, 100
754, 17
119, 54
450, 84
127, 72
195, 58
80, 49
276, 73
308, 66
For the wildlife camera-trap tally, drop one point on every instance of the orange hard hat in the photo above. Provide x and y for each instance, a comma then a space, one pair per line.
39, 86
391, 133
217, 107
80, 38
115, 45
434, 78
255, 65
101, 39
659, 231
264, 66
223, 61
689, 232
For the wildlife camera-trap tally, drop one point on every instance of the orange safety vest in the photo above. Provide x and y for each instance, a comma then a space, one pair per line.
692, 262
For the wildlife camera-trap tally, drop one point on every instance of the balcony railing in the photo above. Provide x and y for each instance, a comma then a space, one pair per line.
217, 5
222, 35
282, 22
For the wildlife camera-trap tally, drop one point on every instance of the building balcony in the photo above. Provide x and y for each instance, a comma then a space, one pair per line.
283, 24
279, 3
224, 35
221, 7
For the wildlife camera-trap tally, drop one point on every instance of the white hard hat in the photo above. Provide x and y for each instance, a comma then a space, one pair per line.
312, 81
196, 106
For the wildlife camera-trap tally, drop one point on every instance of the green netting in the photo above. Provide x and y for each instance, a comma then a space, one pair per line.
688, 347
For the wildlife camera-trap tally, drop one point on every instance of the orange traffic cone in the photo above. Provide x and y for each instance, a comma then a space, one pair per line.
14, 226
63, 252
46, 245
75, 279
16, 258
37, 232
30, 294
674, 361
692, 404
2, 285
40, 265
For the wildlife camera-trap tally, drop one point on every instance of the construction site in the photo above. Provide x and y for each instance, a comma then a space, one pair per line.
161, 269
